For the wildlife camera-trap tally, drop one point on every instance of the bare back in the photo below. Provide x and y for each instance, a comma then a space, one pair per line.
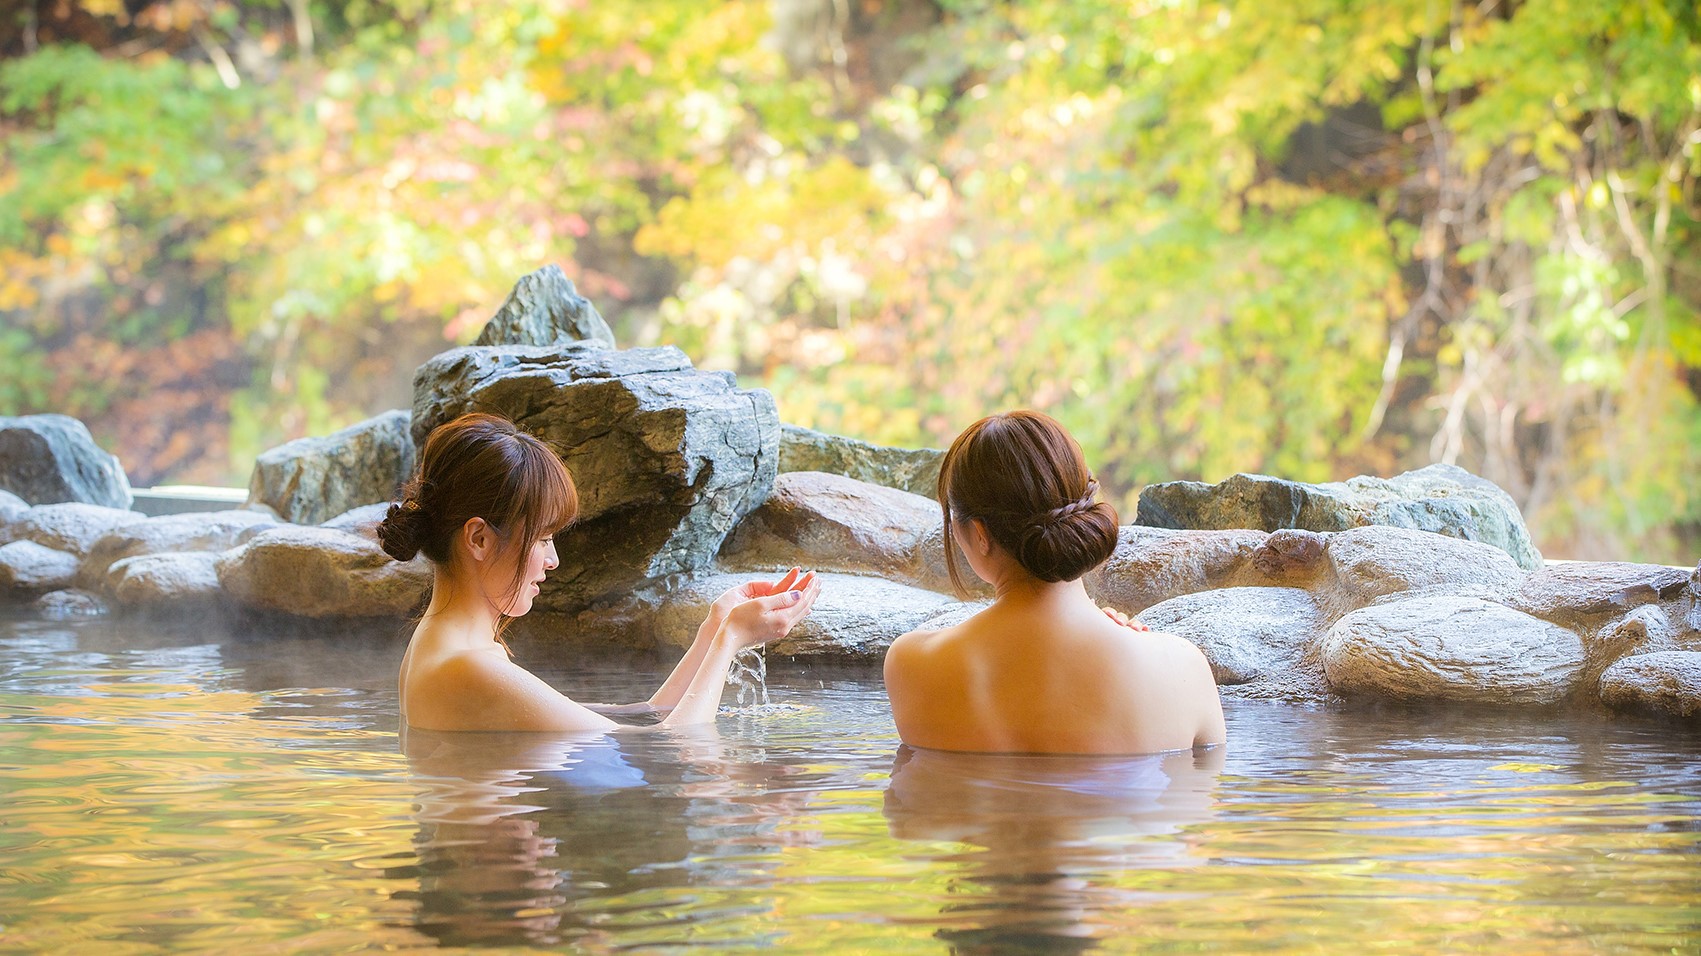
1053, 676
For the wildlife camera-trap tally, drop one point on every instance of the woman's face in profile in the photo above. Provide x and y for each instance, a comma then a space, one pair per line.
537, 561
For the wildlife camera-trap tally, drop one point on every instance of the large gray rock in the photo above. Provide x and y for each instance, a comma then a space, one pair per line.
915, 470
854, 619
1152, 565
166, 580
829, 522
46, 459
1371, 563
1245, 632
1577, 592
546, 309
191, 531
319, 573
1441, 498
72, 527
309, 480
1668, 682
667, 459
28, 569
1446, 647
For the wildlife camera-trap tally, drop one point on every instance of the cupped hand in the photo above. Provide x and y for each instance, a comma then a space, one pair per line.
1123, 619
752, 589
770, 617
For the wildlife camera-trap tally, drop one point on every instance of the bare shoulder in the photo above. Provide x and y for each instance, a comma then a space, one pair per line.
484, 690
916, 648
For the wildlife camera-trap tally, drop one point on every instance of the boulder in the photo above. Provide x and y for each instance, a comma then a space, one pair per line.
72, 527
69, 603
545, 309
319, 573
1668, 682
47, 459
667, 459
363, 520
309, 480
11, 508
28, 569
188, 531
1152, 565
829, 522
1245, 632
854, 619
1578, 592
915, 470
1644, 630
1447, 647
1369, 564
165, 580
1441, 498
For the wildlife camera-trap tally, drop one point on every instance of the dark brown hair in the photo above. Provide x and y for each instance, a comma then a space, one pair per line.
479, 466
1025, 477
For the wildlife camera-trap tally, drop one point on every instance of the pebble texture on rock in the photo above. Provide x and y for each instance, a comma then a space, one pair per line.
1441, 498
855, 617
829, 522
1152, 565
46, 459
316, 572
190, 531
28, 569
915, 470
1668, 682
1245, 632
72, 527
70, 603
1578, 592
666, 458
11, 508
309, 480
1372, 563
1445, 647
166, 580
546, 309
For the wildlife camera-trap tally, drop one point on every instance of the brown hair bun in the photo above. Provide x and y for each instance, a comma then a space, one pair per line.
1024, 476
398, 533
479, 466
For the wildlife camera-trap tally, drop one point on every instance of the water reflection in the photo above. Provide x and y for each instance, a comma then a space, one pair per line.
527, 837
1049, 836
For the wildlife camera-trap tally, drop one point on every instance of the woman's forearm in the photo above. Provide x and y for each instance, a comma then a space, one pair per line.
700, 698
667, 695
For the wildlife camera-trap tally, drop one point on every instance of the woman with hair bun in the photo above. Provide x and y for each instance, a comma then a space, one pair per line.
1044, 669
484, 507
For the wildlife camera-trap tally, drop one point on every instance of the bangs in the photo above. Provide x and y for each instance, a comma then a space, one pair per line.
542, 498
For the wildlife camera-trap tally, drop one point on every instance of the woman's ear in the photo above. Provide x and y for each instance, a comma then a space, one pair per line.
979, 537
479, 537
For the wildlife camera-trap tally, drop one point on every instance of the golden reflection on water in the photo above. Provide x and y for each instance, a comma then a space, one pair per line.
142, 813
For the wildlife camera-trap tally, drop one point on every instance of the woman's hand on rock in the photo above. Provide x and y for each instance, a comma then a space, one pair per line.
1123, 619
770, 617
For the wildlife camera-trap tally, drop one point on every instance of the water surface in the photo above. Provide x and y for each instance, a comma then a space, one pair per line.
196, 788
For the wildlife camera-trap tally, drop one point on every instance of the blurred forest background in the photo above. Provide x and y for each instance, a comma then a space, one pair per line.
1310, 239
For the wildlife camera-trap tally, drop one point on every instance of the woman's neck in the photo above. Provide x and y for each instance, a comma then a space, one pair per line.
1018, 587
458, 612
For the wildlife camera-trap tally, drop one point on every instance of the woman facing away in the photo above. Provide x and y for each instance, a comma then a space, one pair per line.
1044, 669
484, 507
